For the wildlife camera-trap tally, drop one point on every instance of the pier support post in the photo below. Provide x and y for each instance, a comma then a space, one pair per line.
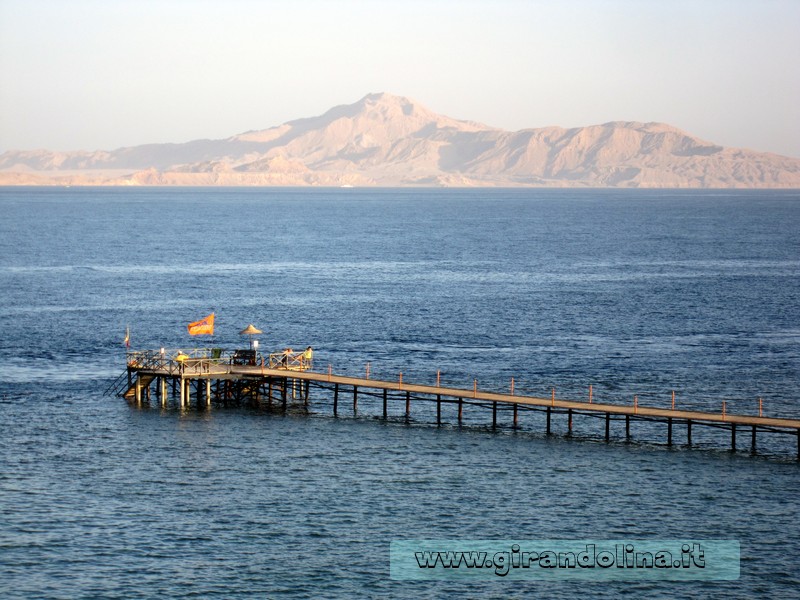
438, 409
460, 410
183, 392
355, 399
494, 414
163, 392
408, 405
516, 420
733, 437
335, 399
569, 421
753, 441
689, 432
669, 431
385, 403
138, 391
208, 393
284, 393
627, 428
306, 389
608, 426
548, 420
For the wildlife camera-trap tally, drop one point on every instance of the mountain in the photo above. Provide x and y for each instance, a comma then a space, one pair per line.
385, 140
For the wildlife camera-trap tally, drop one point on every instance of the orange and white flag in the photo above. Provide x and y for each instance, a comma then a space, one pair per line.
203, 326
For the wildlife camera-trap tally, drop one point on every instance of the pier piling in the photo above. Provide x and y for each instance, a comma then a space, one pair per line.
335, 399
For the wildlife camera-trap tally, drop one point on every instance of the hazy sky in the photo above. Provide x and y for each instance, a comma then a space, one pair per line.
101, 74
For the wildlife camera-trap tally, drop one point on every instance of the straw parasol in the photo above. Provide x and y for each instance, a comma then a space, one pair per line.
250, 330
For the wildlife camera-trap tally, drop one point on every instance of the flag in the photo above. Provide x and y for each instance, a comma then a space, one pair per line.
127, 337
203, 326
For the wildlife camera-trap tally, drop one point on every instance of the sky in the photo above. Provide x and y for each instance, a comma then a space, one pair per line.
104, 74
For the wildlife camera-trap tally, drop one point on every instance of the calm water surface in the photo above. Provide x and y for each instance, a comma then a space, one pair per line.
633, 292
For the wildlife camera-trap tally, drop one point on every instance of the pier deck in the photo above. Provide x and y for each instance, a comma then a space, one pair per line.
273, 381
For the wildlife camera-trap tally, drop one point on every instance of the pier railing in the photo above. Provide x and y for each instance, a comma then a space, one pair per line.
209, 360
292, 361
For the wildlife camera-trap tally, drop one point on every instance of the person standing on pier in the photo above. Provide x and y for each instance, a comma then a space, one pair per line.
287, 354
181, 360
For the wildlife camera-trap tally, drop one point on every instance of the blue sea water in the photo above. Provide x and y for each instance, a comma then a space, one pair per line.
633, 292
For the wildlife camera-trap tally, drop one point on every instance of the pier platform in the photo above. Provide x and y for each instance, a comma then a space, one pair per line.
216, 376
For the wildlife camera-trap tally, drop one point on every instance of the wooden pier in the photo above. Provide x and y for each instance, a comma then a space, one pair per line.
241, 377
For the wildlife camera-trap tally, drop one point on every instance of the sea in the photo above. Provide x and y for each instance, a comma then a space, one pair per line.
636, 293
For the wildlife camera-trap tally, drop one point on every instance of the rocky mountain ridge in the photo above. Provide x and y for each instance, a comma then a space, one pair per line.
385, 140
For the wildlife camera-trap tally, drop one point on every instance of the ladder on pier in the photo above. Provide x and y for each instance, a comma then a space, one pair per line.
142, 381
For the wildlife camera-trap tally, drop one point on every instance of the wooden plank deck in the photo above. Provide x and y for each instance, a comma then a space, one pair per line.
206, 370
617, 409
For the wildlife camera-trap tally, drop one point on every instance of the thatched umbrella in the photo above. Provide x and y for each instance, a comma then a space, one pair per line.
251, 330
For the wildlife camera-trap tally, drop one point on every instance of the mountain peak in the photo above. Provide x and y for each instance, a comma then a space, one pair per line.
386, 101
382, 103
383, 97
381, 116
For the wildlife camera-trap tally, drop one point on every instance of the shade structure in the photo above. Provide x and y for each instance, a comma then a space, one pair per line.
250, 330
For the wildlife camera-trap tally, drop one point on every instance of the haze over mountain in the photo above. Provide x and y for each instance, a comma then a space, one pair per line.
385, 140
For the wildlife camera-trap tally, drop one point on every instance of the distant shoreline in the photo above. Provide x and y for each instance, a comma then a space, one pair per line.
119, 186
